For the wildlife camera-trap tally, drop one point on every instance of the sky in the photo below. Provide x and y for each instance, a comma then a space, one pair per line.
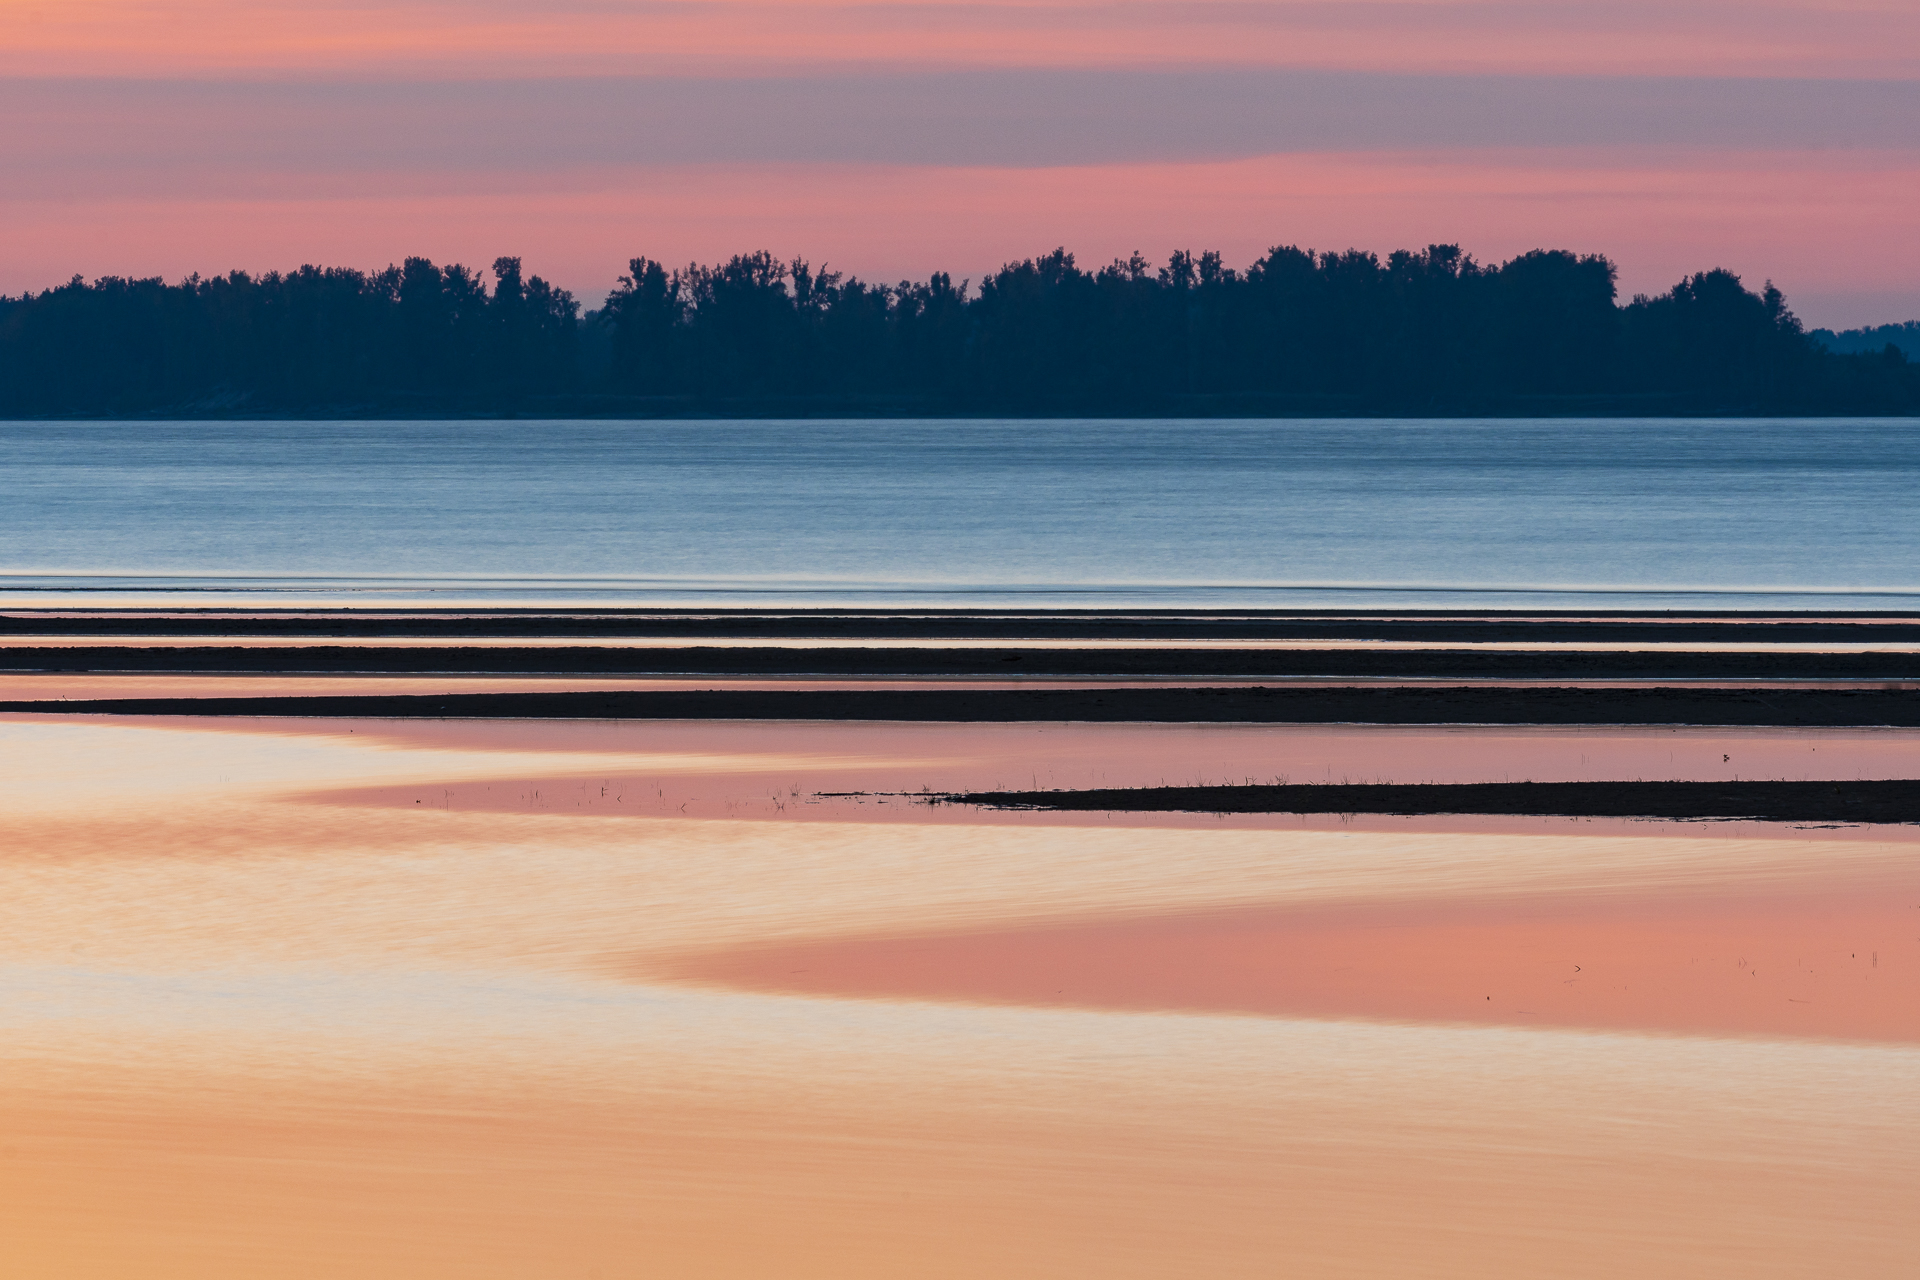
1777, 138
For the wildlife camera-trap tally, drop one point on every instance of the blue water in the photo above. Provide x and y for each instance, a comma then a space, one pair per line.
1596, 513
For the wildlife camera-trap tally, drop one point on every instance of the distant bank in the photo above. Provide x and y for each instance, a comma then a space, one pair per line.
1297, 333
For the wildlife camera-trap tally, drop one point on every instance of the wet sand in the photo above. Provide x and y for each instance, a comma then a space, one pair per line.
264, 1011
868, 761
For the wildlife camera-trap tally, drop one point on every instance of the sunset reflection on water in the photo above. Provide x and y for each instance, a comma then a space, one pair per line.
268, 1010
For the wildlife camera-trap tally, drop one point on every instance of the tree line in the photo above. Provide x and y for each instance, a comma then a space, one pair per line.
1872, 339
1426, 332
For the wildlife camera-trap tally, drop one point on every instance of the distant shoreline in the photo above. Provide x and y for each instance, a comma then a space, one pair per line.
1184, 409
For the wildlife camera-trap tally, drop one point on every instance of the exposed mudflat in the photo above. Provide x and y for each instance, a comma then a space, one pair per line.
1420, 626
998, 661
1896, 800
1243, 704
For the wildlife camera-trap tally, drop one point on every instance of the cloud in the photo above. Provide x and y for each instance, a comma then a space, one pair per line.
479, 38
68, 137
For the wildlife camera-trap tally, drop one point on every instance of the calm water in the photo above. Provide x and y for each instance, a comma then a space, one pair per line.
1572, 513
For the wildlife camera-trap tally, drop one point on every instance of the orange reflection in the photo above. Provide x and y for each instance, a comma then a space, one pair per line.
1842, 967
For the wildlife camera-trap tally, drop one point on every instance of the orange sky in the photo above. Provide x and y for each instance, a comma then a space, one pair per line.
893, 139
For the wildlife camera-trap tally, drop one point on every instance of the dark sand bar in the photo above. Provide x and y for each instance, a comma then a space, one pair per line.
989, 663
1895, 800
1419, 626
1239, 704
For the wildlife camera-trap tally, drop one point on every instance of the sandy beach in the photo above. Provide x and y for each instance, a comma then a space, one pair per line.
270, 1010
455, 974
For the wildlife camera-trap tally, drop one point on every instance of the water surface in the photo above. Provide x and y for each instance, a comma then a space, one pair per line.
1575, 513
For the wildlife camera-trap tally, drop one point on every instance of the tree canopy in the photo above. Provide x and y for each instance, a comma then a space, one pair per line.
1416, 332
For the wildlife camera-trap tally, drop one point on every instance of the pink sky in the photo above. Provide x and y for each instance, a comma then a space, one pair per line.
1774, 139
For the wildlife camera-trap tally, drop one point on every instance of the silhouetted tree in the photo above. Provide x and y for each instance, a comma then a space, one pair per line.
1710, 338
1556, 330
645, 312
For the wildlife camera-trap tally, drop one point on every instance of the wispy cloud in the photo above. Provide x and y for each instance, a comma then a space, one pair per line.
1866, 38
75, 136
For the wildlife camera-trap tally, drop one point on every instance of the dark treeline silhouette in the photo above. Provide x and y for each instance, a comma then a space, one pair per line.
1431, 332
414, 335
1874, 340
